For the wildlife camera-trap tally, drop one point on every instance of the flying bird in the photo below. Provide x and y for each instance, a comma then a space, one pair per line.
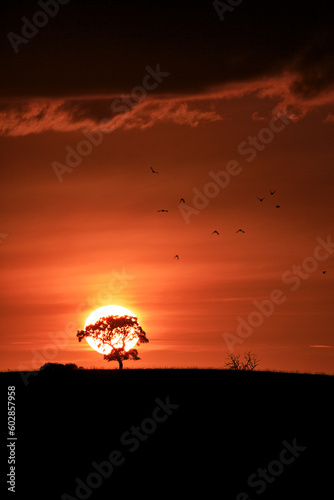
261, 199
278, 206
272, 192
324, 272
162, 210
215, 232
177, 257
240, 231
154, 171
182, 200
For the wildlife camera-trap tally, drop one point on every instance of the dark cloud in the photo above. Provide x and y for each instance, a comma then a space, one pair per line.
315, 67
93, 47
66, 115
82, 109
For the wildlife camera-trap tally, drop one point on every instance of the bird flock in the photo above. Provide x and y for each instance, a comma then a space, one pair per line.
271, 194
260, 200
215, 232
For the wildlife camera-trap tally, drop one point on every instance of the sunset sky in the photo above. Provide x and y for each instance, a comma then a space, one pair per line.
225, 110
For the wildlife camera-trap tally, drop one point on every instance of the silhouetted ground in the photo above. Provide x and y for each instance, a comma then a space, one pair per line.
227, 426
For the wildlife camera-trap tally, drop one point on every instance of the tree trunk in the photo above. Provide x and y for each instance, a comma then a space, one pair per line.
120, 362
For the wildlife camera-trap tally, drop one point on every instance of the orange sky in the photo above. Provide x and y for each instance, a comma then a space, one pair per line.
95, 238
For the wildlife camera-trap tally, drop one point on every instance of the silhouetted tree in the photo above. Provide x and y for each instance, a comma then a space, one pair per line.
233, 362
116, 332
249, 364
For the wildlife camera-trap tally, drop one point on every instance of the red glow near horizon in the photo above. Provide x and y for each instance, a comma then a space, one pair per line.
97, 237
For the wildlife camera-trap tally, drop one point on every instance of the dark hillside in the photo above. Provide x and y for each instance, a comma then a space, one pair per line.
218, 429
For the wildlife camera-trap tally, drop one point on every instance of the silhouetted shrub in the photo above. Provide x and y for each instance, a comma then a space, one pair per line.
250, 362
58, 367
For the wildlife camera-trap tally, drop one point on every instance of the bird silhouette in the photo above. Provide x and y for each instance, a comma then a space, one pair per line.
182, 200
154, 171
162, 210
272, 192
278, 206
261, 199
215, 232
324, 272
177, 257
240, 231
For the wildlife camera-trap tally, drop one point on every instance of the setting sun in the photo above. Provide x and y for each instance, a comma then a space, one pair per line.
177, 160
102, 312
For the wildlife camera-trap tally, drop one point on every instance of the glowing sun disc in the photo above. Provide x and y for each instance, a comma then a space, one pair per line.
102, 312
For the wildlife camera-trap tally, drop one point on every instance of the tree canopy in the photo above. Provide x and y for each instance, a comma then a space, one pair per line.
117, 332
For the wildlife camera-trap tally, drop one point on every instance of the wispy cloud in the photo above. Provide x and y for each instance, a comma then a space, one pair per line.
68, 115
329, 118
35, 116
257, 117
282, 89
320, 346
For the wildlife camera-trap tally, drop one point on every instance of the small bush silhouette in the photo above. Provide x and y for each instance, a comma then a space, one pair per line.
249, 364
58, 367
